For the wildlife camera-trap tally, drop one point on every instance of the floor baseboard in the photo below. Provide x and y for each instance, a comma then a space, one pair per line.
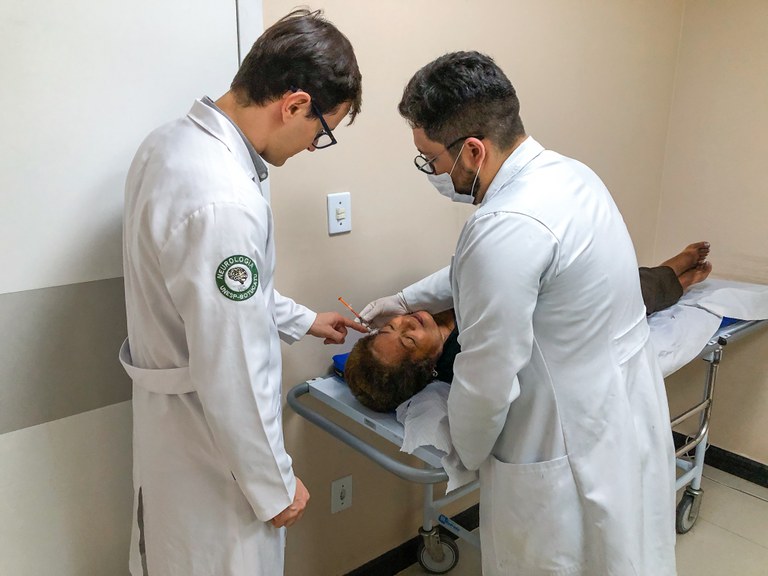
398, 559
740, 466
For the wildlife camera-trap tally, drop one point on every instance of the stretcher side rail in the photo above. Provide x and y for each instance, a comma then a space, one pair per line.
712, 353
404, 471
704, 407
733, 332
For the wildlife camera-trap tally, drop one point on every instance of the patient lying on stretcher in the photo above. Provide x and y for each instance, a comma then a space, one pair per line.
385, 369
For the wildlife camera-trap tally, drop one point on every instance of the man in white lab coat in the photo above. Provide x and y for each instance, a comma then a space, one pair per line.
556, 398
214, 486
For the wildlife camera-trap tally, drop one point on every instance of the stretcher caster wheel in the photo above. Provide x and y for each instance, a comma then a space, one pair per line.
437, 553
688, 510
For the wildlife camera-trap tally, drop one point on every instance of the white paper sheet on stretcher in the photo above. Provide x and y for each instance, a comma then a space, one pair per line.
680, 332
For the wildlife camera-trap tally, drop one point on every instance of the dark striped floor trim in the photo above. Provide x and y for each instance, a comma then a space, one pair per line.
740, 466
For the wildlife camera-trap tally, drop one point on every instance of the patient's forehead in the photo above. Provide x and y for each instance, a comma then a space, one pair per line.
388, 349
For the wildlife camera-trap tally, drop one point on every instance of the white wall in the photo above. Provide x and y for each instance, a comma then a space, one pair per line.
82, 84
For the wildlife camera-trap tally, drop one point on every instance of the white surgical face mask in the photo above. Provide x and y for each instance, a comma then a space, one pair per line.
444, 184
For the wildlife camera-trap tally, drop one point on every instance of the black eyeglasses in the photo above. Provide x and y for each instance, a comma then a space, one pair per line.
325, 137
425, 164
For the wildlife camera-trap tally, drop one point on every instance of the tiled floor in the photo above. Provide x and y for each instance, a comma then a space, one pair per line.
730, 537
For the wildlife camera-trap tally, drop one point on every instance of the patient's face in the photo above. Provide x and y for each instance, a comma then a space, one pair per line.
414, 336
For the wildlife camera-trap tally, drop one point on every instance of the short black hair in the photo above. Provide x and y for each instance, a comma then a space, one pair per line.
463, 94
302, 51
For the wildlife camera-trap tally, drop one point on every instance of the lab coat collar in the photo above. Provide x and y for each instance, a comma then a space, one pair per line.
212, 119
520, 157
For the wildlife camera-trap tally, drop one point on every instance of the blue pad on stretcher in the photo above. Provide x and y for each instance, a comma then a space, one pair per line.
728, 321
338, 364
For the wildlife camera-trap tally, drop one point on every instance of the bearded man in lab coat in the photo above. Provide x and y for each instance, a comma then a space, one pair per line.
214, 486
556, 397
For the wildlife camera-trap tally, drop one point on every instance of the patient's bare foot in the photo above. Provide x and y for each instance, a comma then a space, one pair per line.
695, 275
691, 256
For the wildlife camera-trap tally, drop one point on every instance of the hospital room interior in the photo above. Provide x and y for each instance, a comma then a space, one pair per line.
664, 99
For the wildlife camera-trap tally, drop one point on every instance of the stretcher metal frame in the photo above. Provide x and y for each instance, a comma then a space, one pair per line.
692, 466
437, 551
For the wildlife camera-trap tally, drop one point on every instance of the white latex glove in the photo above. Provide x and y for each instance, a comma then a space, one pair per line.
378, 312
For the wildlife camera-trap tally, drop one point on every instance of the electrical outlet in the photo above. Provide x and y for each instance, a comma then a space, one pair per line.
341, 494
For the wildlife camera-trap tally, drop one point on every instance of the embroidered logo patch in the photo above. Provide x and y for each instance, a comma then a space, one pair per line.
237, 278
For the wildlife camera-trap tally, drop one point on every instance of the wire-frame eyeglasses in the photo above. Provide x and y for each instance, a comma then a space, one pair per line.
425, 164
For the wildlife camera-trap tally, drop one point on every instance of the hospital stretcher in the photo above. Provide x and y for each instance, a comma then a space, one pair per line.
437, 551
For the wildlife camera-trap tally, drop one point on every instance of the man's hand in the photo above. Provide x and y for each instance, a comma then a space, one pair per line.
332, 327
295, 511
378, 312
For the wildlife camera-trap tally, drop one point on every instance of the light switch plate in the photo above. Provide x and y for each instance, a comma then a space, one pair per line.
339, 213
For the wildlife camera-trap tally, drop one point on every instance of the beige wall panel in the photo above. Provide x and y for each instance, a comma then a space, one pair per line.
595, 80
715, 173
713, 187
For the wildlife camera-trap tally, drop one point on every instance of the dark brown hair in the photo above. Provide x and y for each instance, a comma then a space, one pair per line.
380, 387
304, 51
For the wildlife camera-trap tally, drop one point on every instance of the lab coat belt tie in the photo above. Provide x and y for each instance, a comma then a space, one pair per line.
157, 380
630, 343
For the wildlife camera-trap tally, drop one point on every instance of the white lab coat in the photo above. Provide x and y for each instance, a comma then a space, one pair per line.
557, 397
209, 459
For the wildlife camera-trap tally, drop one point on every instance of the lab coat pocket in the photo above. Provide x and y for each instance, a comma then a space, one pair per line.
533, 519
